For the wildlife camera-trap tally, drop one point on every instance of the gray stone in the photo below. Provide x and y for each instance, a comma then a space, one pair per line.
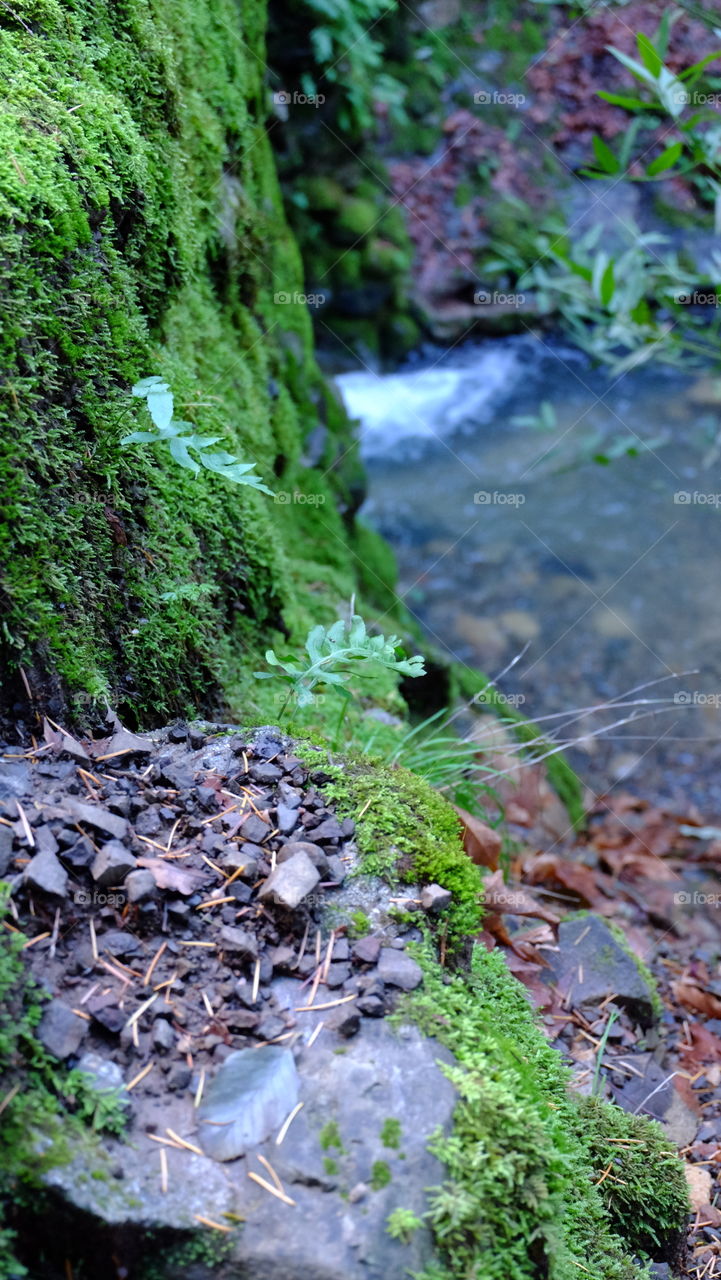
14, 779
290, 882
92, 815
384, 1072
434, 897
140, 886
337, 974
163, 1036
112, 863
367, 950
45, 841
248, 1099
235, 858
120, 943
314, 852
6, 848
288, 796
61, 1030
47, 875
286, 819
654, 1091
254, 829
591, 965
399, 970
328, 830
238, 942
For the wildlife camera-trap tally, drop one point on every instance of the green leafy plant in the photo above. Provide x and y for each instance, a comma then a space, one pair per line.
401, 1224
336, 653
347, 56
102, 1109
181, 438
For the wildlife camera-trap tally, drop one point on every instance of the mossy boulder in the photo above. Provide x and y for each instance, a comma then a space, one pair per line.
143, 233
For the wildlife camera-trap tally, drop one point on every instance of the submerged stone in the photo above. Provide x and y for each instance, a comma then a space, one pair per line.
250, 1097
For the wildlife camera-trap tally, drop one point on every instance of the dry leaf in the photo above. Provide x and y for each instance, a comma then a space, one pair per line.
166, 876
481, 842
696, 999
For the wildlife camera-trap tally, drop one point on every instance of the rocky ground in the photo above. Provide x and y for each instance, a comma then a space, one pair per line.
188, 907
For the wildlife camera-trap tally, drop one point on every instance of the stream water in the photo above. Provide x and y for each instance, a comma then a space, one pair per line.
508, 533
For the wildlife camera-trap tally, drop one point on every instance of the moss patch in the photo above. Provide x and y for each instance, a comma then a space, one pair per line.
519, 1200
407, 833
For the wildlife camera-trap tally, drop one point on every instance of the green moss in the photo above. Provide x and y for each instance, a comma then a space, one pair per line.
407, 832
391, 1134
657, 1004
330, 1166
648, 1196
380, 1175
360, 925
330, 1136
520, 1197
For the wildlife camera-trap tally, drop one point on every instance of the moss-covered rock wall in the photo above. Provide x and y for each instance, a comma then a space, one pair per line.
143, 233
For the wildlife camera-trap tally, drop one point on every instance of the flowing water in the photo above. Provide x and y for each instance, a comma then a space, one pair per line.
509, 533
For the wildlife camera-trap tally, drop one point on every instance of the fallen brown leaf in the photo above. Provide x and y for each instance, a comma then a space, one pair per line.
481, 842
166, 876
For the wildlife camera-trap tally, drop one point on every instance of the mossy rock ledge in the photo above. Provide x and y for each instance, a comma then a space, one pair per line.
453, 1115
143, 233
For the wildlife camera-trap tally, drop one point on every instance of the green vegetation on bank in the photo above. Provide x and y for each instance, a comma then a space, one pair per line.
523, 1162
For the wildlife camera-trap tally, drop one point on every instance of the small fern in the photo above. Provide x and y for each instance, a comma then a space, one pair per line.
334, 654
180, 438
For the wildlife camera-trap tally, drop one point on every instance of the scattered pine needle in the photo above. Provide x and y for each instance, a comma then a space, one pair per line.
26, 825
316, 1032
256, 981
288, 1122
213, 902
93, 939
38, 938
16, 1089
141, 1010
154, 1137
199, 1090
140, 1076
268, 1186
328, 1004
208, 1222
183, 943
269, 1169
153, 962
238, 872
188, 1145
208, 1005
163, 1171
